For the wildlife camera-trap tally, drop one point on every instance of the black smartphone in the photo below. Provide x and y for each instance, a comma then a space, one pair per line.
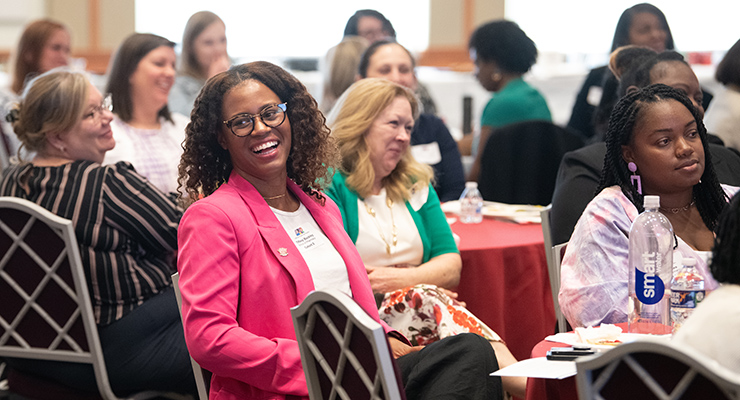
568, 353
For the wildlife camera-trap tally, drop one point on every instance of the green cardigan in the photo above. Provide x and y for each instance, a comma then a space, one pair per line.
435, 232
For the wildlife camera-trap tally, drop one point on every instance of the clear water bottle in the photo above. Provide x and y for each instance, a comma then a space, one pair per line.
471, 204
687, 290
650, 266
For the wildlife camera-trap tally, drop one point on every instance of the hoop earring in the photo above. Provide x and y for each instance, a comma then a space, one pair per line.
635, 178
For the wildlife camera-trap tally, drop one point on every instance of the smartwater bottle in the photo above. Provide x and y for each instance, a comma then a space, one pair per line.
687, 291
650, 264
471, 204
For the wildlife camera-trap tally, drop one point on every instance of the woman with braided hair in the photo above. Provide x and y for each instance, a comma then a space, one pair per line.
658, 132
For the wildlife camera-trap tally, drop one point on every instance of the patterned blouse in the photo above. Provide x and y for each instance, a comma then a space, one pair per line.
126, 228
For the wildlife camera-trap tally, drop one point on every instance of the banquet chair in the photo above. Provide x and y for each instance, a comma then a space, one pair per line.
556, 254
546, 232
345, 353
654, 370
202, 376
46, 312
520, 161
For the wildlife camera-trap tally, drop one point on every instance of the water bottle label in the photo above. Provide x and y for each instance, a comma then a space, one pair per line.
686, 298
649, 288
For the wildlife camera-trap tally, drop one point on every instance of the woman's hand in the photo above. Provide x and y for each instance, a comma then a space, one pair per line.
388, 279
399, 348
219, 64
453, 296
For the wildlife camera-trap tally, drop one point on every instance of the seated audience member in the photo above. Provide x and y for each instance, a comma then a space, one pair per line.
147, 134
580, 170
44, 45
339, 69
393, 215
713, 326
257, 153
660, 132
126, 230
502, 54
375, 27
723, 119
431, 141
203, 55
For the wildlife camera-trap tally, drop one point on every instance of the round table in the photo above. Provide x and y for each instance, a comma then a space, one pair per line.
504, 280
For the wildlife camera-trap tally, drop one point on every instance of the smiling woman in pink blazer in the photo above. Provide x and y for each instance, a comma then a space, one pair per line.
259, 236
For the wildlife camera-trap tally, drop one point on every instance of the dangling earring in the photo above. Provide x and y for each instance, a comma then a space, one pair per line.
634, 178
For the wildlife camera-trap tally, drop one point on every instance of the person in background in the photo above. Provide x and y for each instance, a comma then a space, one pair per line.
339, 69
641, 25
382, 191
723, 119
203, 56
712, 327
660, 131
147, 134
44, 45
259, 235
580, 170
126, 231
431, 141
502, 54
371, 25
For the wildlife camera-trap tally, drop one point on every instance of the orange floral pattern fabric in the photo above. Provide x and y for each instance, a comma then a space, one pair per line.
425, 314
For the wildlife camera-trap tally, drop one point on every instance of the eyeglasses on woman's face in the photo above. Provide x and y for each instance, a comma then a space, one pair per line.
96, 113
242, 125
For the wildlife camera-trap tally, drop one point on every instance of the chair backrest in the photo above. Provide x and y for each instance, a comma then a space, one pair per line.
46, 311
553, 269
199, 373
519, 163
345, 353
654, 370
546, 232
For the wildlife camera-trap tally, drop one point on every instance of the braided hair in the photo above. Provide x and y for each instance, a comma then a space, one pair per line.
725, 265
709, 196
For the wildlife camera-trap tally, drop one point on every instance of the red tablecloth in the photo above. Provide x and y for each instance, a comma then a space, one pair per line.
504, 281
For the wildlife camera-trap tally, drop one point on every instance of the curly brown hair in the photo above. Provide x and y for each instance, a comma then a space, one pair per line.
205, 165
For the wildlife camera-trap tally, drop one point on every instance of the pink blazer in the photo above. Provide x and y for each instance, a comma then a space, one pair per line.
238, 285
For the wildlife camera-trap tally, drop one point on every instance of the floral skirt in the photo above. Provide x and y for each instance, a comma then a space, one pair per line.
425, 314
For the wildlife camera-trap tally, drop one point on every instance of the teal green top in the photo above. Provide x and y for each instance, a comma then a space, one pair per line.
516, 102
435, 232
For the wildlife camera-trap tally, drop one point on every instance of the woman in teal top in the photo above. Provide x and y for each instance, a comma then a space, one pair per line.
502, 53
381, 190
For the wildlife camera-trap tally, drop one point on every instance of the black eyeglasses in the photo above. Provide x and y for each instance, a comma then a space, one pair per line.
243, 124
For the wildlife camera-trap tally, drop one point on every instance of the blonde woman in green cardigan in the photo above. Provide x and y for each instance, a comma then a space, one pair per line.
381, 190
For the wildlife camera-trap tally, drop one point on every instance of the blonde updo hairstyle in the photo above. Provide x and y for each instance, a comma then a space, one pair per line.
52, 102
350, 121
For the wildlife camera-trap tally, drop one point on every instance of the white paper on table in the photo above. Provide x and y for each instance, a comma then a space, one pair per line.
539, 367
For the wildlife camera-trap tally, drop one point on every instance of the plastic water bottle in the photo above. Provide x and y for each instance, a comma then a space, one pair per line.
687, 290
650, 266
471, 204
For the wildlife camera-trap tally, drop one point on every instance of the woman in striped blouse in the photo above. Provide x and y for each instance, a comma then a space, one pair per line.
126, 230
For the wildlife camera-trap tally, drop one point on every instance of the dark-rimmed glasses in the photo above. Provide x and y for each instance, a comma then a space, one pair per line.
243, 124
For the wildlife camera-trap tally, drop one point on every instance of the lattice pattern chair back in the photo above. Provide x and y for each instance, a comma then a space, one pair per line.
345, 353
652, 370
46, 311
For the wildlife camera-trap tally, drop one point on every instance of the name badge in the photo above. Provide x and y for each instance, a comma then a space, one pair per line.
427, 153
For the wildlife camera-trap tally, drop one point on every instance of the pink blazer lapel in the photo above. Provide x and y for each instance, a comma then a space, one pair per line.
276, 240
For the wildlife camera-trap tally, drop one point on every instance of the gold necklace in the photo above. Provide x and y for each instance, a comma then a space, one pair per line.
274, 197
678, 209
394, 239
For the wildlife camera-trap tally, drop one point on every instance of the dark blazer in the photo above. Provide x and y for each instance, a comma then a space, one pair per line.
579, 175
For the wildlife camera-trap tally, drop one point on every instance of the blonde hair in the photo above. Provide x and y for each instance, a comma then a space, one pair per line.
350, 121
341, 68
52, 102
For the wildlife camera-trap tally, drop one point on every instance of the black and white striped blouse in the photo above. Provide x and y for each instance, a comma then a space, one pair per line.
126, 228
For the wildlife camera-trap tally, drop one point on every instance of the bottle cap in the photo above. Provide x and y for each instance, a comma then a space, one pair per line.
651, 201
471, 184
689, 262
